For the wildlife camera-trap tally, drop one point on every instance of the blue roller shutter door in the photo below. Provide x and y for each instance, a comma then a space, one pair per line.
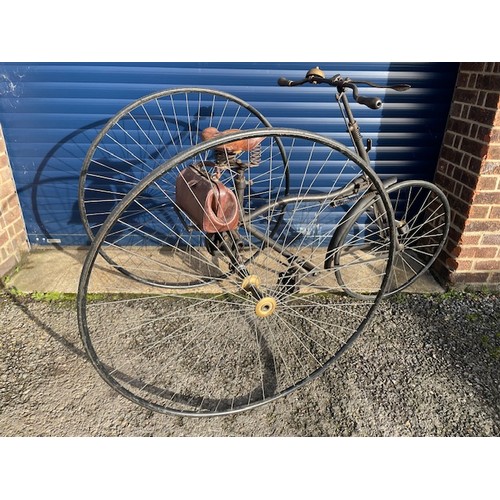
50, 113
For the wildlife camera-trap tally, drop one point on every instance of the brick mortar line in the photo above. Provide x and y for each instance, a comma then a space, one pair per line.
12, 224
477, 72
457, 135
477, 90
475, 105
465, 119
461, 184
468, 137
459, 150
461, 84
480, 242
465, 169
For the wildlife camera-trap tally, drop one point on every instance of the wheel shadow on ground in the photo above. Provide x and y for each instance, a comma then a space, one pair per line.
162, 393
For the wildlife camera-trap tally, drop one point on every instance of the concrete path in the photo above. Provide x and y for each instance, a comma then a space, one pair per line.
49, 269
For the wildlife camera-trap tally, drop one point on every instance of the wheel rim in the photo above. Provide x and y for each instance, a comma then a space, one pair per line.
423, 219
422, 223
220, 351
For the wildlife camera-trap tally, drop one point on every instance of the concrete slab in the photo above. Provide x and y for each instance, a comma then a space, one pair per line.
50, 269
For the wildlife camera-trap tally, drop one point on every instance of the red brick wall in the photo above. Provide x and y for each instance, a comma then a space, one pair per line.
469, 173
13, 240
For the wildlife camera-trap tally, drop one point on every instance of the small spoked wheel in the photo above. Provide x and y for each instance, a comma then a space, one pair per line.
422, 216
267, 315
144, 135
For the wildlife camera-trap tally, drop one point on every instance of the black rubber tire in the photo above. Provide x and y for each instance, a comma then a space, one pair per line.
142, 136
422, 220
242, 346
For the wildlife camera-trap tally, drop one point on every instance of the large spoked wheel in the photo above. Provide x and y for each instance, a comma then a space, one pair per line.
422, 215
144, 135
267, 317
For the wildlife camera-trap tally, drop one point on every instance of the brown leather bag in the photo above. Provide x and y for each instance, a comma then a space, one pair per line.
209, 204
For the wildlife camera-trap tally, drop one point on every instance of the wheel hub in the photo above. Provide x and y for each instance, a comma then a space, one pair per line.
250, 281
265, 307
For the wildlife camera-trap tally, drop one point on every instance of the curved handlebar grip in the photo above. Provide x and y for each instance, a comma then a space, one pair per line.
371, 102
284, 82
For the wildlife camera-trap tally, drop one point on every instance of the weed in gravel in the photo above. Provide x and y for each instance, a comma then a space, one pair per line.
451, 294
399, 298
492, 345
473, 317
52, 296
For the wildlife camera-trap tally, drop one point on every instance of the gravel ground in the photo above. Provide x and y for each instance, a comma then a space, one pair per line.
427, 366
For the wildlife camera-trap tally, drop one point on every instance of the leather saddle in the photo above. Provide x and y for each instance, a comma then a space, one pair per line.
234, 147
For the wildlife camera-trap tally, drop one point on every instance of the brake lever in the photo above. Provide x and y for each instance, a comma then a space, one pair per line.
398, 88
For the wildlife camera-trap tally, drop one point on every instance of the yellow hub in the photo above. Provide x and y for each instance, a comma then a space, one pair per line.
265, 307
249, 281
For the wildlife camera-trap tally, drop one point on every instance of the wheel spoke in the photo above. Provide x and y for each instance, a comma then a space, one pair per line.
219, 322
422, 212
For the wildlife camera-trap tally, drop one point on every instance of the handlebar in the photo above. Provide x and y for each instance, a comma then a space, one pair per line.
316, 76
